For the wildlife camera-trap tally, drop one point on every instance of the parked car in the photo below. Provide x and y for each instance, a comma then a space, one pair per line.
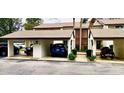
19, 45
4, 49
107, 52
58, 50
29, 50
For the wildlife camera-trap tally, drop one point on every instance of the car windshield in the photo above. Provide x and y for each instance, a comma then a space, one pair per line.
60, 45
3, 44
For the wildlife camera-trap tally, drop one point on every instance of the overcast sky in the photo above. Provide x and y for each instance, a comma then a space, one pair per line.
56, 20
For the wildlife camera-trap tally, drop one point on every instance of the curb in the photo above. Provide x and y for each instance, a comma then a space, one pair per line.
63, 61
49, 60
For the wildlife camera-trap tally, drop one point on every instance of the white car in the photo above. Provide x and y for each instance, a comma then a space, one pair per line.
19, 45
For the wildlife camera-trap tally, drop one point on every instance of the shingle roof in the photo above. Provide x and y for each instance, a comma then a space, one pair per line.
108, 33
77, 24
57, 34
111, 21
60, 25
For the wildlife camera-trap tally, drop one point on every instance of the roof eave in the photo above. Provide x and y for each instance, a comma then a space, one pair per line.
109, 38
36, 38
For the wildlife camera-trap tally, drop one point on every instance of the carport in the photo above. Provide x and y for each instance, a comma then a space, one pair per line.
41, 40
109, 36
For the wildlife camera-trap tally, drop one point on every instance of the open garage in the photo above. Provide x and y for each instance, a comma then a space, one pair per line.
108, 37
41, 41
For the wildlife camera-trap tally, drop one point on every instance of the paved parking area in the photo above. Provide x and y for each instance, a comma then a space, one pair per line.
21, 67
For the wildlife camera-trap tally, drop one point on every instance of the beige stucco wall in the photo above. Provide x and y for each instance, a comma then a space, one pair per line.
10, 48
28, 43
119, 48
71, 44
37, 53
90, 38
67, 28
113, 26
90, 41
41, 49
97, 27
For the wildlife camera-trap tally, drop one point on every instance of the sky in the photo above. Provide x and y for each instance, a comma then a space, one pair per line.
58, 20
55, 20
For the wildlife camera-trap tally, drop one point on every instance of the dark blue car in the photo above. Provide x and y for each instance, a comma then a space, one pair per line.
4, 49
58, 50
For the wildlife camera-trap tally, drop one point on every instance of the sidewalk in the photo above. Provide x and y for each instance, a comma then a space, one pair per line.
81, 57
98, 59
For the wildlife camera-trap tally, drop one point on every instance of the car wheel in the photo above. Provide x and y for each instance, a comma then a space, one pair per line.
3, 53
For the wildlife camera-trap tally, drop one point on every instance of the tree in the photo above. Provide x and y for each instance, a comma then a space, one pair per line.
9, 25
32, 22
93, 20
85, 20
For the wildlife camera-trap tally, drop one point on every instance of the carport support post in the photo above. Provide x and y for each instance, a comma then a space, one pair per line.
10, 48
69, 46
94, 47
27, 43
73, 43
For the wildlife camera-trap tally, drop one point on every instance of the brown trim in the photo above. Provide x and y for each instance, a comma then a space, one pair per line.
35, 38
48, 27
108, 37
53, 27
59, 27
77, 28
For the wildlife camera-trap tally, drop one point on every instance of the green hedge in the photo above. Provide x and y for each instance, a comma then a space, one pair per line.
74, 51
92, 58
71, 56
89, 53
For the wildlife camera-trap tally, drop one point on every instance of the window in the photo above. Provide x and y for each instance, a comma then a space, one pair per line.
99, 44
119, 26
92, 42
89, 34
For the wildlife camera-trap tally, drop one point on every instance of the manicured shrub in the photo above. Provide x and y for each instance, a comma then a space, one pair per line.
89, 53
71, 56
74, 51
85, 49
92, 58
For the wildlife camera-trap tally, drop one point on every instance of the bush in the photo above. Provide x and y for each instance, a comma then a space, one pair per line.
92, 58
71, 56
89, 53
84, 50
74, 51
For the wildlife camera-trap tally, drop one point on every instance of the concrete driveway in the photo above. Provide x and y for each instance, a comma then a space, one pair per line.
20, 67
